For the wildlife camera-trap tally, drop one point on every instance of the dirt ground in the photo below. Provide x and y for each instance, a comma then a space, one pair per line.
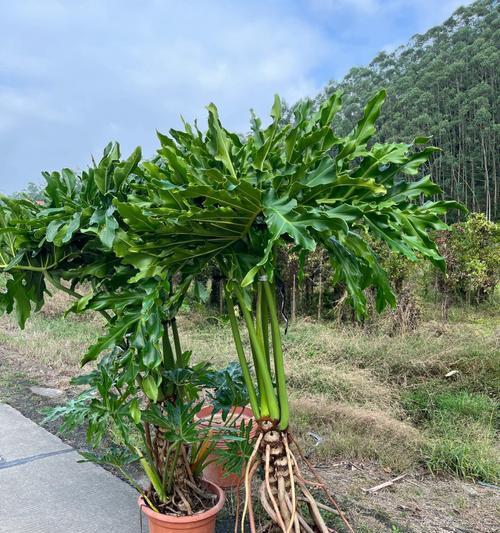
418, 503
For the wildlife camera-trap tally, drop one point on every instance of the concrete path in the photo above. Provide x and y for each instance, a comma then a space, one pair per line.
44, 489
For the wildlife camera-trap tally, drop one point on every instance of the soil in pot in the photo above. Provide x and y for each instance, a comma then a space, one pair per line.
200, 522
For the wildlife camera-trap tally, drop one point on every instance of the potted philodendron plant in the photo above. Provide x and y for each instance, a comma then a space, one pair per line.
218, 196
143, 387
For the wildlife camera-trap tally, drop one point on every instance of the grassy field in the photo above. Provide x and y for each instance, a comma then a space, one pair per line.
419, 403
369, 395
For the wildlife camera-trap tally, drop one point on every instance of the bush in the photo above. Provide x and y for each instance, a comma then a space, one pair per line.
472, 253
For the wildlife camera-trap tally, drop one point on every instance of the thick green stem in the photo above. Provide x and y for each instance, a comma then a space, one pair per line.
260, 335
264, 404
173, 467
260, 356
174, 361
168, 354
265, 332
177, 344
279, 366
243, 360
262, 323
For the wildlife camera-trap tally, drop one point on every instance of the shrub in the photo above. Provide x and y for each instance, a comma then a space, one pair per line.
472, 253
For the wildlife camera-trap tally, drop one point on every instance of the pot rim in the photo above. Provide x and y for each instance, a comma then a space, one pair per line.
206, 411
188, 518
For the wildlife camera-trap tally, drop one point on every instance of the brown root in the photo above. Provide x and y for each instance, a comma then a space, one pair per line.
279, 518
293, 503
284, 486
251, 518
248, 481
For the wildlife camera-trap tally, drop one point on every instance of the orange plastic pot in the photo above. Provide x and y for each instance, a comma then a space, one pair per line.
198, 523
215, 472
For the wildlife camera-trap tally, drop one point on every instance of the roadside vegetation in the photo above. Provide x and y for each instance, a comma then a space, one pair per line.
423, 399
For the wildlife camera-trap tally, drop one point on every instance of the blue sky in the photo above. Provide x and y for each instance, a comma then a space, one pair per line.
77, 74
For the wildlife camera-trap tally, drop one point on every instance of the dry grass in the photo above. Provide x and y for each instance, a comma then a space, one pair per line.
356, 433
349, 384
51, 342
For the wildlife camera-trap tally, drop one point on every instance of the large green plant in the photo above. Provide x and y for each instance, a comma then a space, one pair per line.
220, 196
143, 387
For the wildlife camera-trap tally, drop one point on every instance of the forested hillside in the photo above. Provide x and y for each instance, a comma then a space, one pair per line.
444, 83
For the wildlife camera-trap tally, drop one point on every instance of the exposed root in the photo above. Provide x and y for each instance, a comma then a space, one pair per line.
248, 484
323, 506
265, 503
295, 514
282, 480
200, 492
292, 485
185, 505
279, 518
251, 518
238, 501
318, 519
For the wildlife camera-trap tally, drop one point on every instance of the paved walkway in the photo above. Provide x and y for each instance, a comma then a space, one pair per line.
44, 489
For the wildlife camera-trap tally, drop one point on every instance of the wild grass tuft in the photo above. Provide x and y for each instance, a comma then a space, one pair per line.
469, 451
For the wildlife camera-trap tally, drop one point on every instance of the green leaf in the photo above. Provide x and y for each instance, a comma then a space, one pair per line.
52, 229
107, 231
150, 388
366, 126
123, 170
323, 174
115, 333
281, 219
329, 109
276, 110
219, 141
135, 411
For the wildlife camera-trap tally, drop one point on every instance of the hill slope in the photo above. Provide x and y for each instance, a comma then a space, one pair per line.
444, 83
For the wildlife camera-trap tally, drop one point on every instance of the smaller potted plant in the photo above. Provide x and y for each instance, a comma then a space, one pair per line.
167, 438
147, 394
228, 413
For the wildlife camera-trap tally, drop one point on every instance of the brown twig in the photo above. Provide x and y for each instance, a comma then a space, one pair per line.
385, 484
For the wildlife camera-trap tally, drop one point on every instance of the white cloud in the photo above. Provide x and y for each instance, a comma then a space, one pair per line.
363, 6
74, 75
16, 108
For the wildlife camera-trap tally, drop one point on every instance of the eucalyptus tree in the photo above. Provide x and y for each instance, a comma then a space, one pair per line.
143, 378
218, 196
444, 82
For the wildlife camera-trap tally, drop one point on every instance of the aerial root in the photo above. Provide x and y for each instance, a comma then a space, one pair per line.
238, 501
248, 482
290, 465
250, 501
295, 514
279, 518
284, 489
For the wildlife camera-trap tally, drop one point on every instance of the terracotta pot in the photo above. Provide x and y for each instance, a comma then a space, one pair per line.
198, 523
215, 472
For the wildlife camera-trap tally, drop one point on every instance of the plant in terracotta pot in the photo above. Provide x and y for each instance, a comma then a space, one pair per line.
218, 196
143, 386
226, 411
